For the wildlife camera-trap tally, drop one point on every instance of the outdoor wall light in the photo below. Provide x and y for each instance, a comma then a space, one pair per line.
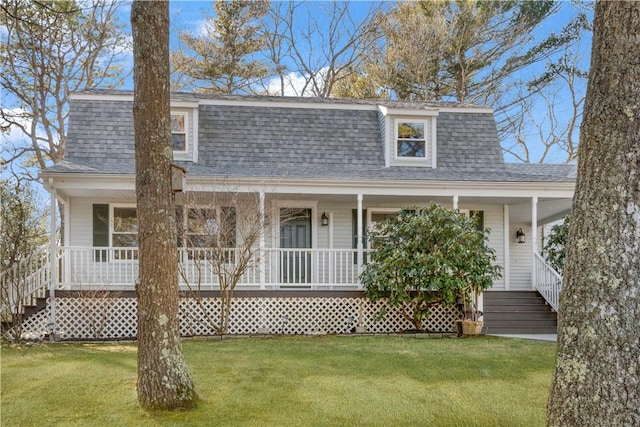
520, 236
324, 219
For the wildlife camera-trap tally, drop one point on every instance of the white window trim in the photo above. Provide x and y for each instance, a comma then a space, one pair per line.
425, 123
186, 130
112, 252
218, 210
429, 159
375, 210
190, 153
112, 217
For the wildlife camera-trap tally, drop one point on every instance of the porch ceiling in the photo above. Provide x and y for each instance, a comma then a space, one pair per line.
549, 210
111, 194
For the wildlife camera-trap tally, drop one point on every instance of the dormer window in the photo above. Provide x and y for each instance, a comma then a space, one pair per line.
409, 136
410, 139
184, 132
179, 131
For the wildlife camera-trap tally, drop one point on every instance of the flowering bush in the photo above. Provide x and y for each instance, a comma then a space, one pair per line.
426, 256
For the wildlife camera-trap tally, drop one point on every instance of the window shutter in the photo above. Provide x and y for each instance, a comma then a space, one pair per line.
228, 224
478, 216
101, 230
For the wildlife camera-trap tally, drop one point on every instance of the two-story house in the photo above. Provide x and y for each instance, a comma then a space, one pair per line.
316, 174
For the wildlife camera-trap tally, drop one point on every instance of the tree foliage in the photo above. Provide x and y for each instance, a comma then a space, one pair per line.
22, 231
483, 52
22, 222
555, 245
597, 376
461, 49
326, 47
50, 50
427, 256
223, 60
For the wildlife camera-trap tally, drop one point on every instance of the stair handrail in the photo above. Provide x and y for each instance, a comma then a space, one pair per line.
548, 281
25, 278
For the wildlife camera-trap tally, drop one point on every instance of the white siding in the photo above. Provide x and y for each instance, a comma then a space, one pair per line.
493, 219
81, 221
81, 233
520, 259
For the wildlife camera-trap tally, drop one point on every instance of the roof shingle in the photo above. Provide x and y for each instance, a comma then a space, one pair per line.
278, 140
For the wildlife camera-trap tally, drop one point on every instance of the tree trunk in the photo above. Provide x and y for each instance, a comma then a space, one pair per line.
597, 378
163, 379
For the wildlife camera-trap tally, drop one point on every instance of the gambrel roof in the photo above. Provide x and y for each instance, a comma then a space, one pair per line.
306, 138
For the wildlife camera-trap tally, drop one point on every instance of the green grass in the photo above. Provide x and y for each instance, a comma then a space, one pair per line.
290, 381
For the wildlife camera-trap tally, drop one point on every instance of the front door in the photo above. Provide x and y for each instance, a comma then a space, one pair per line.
295, 237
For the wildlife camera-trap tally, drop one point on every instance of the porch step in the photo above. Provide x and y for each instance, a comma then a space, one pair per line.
29, 308
518, 312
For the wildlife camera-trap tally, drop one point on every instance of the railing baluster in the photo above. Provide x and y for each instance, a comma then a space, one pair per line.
118, 266
551, 283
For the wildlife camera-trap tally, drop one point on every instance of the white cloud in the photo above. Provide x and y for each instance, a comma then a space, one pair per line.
294, 84
203, 27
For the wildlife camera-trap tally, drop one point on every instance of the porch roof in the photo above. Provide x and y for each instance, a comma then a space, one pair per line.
510, 172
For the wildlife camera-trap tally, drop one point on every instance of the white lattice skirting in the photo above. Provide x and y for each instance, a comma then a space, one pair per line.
115, 318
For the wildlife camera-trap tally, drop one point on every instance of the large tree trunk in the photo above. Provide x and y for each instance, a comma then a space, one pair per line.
163, 379
597, 379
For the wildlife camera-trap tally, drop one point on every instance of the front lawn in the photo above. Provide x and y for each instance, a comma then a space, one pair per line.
290, 381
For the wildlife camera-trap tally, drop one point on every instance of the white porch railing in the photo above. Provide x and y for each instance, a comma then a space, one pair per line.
25, 280
115, 267
548, 281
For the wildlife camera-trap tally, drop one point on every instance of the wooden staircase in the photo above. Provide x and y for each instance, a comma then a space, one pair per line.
518, 312
30, 307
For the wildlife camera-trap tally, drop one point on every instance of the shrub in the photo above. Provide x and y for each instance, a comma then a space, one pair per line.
554, 247
426, 256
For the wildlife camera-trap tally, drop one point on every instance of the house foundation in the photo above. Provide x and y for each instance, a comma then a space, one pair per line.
107, 315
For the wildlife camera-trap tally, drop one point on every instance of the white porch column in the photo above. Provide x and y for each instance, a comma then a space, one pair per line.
261, 244
534, 240
330, 230
507, 247
360, 242
455, 202
52, 261
66, 278
332, 255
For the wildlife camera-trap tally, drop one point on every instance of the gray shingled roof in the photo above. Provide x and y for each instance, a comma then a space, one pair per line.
316, 143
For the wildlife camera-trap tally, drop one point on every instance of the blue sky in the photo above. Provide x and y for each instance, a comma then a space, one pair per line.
187, 16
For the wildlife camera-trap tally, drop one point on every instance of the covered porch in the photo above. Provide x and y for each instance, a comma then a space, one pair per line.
323, 249
332, 255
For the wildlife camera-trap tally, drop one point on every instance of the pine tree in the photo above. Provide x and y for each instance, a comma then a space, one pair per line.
223, 60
